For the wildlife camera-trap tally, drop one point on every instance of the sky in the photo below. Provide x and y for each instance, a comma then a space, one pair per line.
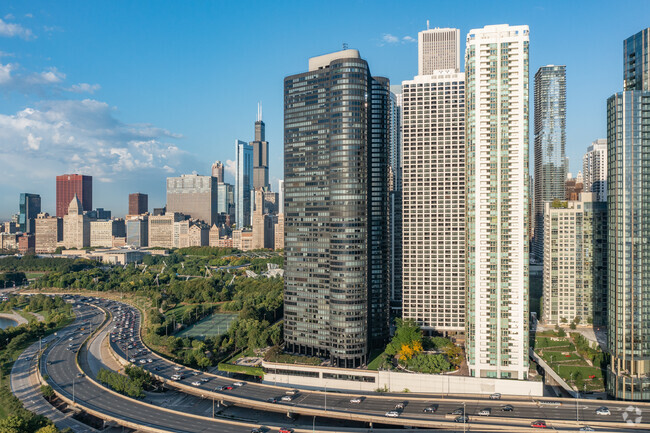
133, 92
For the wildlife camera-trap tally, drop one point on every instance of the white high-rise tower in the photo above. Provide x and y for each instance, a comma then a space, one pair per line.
438, 49
594, 169
496, 63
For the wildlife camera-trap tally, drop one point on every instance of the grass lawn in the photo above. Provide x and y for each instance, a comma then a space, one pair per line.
216, 324
375, 359
544, 342
34, 274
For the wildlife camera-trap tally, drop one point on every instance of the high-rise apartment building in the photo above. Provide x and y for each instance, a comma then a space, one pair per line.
636, 61
594, 169
76, 226
217, 171
49, 231
628, 200
138, 203
497, 324
550, 142
336, 119
438, 49
395, 199
575, 261
243, 183
193, 195
260, 155
67, 185
573, 186
29, 208
433, 201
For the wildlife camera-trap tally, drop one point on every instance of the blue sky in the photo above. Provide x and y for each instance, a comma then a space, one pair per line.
132, 92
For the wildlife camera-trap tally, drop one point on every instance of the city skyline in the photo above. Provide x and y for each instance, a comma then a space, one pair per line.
156, 137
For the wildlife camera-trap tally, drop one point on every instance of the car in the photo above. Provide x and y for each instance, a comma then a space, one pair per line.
586, 428
285, 430
195, 373
463, 419
392, 414
177, 368
205, 379
256, 430
399, 406
355, 400
292, 392
149, 360
507, 408
430, 409
227, 387
538, 424
485, 412
238, 384
495, 396
80, 375
287, 398
143, 361
132, 360
271, 400
177, 377
197, 383
459, 411
603, 411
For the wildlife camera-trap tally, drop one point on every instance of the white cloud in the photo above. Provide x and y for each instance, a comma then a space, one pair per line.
29, 16
10, 30
84, 88
9, 17
390, 39
408, 39
231, 167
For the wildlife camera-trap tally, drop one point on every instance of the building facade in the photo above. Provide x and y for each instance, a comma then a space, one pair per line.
550, 143
69, 185
137, 230
594, 169
104, 232
575, 262
573, 186
497, 324
336, 133
29, 208
76, 226
433, 201
161, 229
218, 171
438, 49
138, 203
636, 61
278, 236
395, 199
193, 195
628, 201
260, 155
243, 183
49, 232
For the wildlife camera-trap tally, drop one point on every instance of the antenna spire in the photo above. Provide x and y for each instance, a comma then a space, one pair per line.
427, 24
259, 111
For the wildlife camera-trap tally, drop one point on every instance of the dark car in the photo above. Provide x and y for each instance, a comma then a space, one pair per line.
463, 419
272, 400
430, 409
507, 408
458, 411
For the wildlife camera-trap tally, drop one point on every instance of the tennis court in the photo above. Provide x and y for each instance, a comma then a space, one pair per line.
215, 324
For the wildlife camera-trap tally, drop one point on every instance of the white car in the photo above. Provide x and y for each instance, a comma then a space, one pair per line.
177, 377
205, 379
149, 360
603, 411
392, 414
287, 398
238, 384
485, 412
143, 361
355, 400
197, 383
177, 368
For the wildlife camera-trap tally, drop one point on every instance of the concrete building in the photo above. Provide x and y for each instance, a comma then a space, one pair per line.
199, 235
104, 232
49, 232
30, 207
628, 195
76, 226
497, 325
243, 183
260, 155
575, 262
336, 209
193, 195
550, 143
137, 230
281, 196
138, 203
258, 221
26, 243
161, 229
395, 198
9, 241
573, 186
433, 198
242, 239
594, 169
438, 49
279, 233
69, 185
217, 171
214, 235
181, 234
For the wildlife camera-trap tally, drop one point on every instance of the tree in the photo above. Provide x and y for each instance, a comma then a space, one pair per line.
407, 333
13, 424
48, 429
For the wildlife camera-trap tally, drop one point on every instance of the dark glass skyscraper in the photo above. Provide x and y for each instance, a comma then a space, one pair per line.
550, 142
636, 58
336, 139
29, 207
260, 155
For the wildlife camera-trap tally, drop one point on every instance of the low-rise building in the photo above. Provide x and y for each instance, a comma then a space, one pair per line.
104, 232
26, 243
279, 232
242, 240
9, 241
199, 235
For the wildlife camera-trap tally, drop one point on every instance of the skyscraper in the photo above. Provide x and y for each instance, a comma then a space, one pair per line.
434, 200
628, 198
496, 62
76, 226
67, 185
336, 191
636, 61
281, 196
395, 185
260, 154
594, 169
438, 49
550, 142
243, 183
193, 195
217, 171
29, 207
138, 203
